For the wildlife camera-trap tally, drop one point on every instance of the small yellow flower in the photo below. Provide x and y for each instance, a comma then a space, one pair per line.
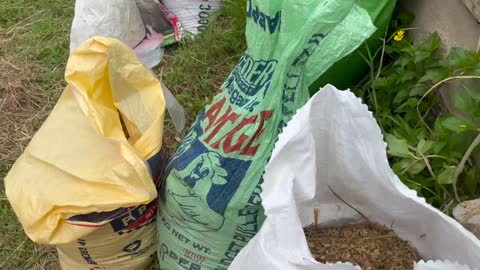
399, 35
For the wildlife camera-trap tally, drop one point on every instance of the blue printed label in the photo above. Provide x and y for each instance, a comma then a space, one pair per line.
264, 21
249, 82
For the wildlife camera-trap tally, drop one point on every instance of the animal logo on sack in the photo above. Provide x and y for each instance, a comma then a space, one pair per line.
201, 174
201, 185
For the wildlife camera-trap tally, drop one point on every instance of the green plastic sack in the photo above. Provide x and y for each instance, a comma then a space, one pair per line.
351, 69
210, 206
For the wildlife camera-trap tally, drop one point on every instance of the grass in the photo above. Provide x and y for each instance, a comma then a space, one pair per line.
33, 53
34, 40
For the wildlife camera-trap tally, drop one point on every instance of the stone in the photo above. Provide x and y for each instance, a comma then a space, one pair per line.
468, 214
474, 7
456, 27
454, 23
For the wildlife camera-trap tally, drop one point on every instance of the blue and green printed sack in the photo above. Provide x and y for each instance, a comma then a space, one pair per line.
210, 206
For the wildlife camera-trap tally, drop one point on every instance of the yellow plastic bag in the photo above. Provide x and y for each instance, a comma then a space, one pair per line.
81, 161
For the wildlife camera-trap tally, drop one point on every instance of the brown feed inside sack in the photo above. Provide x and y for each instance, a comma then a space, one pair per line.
369, 245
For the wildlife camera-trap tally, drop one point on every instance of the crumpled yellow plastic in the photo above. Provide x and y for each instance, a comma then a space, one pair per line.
80, 161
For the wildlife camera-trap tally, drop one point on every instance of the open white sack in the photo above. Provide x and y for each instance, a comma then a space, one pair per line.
334, 141
118, 19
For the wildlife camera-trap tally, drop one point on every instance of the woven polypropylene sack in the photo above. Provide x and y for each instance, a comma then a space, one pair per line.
332, 157
193, 14
94, 160
211, 204
118, 19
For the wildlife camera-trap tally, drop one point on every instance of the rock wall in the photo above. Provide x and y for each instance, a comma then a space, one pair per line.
454, 23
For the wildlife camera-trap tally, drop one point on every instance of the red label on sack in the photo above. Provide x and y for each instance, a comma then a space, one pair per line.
173, 19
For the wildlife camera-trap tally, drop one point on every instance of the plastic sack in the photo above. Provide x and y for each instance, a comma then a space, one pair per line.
126, 242
129, 250
118, 19
211, 201
157, 18
193, 14
352, 69
162, 29
145, 25
333, 142
81, 160
175, 110
149, 51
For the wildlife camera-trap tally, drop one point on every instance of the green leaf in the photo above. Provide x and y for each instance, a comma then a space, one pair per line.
426, 181
421, 55
418, 90
434, 75
407, 106
464, 101
457, 144
412, 185
397, 147
417, 167
427, 48
409, 51
456, 124
440, 130
400, 126
407, 75
403, 61
401, 95
471, 181
472, 86
475, 94
382, 83
410, 165
446, 176
437, 147
460, 58
424, 146
402, 165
